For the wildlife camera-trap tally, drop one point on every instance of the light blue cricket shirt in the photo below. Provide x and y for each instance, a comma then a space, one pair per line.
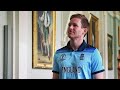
80, 64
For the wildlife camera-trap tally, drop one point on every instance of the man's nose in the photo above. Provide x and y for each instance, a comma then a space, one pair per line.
71, 27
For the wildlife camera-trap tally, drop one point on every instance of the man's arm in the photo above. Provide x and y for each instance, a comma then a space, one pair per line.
97, 67
55, 76
99, 75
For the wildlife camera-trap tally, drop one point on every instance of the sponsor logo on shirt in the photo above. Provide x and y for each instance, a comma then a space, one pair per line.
71, 69
82, 57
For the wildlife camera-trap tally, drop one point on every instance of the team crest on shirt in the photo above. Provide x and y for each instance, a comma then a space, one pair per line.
63, 57
82, 57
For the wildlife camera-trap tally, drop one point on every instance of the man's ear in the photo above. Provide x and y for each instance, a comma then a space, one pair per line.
85, 30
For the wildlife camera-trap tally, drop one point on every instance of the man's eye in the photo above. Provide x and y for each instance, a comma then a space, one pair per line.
74, 25
69, 25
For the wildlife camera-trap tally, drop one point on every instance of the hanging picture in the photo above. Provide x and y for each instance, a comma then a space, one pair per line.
119, 35
93, 33
110, 64
43, 38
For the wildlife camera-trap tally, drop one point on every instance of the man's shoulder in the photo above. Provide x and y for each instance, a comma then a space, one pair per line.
90, 48
62, 49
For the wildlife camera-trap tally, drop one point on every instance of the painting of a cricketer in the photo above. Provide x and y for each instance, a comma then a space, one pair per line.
43, 38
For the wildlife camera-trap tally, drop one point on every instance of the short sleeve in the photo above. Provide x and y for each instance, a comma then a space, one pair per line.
96, 64
55, 64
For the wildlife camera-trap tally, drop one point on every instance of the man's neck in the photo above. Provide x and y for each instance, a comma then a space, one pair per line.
75, 44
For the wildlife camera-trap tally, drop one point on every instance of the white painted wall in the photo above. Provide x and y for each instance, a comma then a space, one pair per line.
15, 44
3, 21
24, 43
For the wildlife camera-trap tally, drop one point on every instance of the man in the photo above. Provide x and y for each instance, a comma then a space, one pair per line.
77, 60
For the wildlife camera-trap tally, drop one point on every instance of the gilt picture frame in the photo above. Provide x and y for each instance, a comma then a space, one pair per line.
43, 39
93, 32
110, 52
118, 35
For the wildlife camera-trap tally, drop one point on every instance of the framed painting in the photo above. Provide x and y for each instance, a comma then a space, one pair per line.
93, 33
43, 38
110, 64
118, 35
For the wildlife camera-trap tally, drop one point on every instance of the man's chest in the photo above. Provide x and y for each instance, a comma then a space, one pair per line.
74, 59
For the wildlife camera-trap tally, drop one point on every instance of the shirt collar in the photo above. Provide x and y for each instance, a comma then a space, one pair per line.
81, 48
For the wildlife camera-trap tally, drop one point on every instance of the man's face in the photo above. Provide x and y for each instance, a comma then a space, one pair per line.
75, 29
